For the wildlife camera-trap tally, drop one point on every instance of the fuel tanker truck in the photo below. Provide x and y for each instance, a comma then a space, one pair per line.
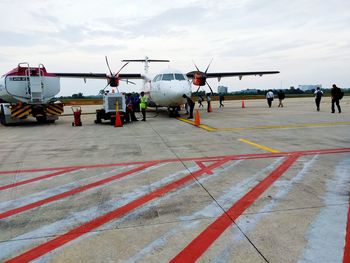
28, 92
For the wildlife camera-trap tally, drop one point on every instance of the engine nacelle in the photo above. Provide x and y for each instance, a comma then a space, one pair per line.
199, 79
114, 82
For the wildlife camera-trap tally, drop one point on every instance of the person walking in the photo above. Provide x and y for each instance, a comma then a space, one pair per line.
190, 104
200, 100
269, 97
281, 96
221, 99
208, 102
143, 105
337, 95
129, 110
318, 95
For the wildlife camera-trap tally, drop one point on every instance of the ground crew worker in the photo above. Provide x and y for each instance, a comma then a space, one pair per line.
191, 104
143, 105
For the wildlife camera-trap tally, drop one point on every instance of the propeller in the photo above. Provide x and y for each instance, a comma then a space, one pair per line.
200, 78
113, 80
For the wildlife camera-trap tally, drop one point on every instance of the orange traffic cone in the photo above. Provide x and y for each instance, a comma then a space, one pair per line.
118, 121
210, 109
197, 121
243, 104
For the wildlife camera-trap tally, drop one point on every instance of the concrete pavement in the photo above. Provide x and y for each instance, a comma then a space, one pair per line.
265, 185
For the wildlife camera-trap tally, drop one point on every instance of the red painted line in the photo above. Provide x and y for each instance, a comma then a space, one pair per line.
346, 257
8, 186
59, 241
74, 191
32, 170
201, 243
203, 159
202, 166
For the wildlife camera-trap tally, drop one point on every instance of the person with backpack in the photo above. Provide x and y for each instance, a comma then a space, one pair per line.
337, 95
281, 96
318, 95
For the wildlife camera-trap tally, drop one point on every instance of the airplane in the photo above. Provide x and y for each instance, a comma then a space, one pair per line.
28, 91
167, 88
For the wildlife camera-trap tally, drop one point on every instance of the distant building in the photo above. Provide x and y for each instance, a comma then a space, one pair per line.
222, 89
309, 87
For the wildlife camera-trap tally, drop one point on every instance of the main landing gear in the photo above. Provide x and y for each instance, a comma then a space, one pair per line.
173, 112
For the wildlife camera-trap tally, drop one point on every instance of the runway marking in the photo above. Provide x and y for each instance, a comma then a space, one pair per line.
202, 166
292, 126
74, 191
205, 239
259, 146
202, 126
346, 257
89, 226
5, 187
73, 234
203, 159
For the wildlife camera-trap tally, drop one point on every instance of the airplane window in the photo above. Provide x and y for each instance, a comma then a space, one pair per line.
179, 77
168, 77
156, 78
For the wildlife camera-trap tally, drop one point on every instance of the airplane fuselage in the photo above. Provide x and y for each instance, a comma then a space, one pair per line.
167, 88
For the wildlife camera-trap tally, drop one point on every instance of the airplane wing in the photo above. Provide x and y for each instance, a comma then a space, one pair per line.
219, 75
98, 75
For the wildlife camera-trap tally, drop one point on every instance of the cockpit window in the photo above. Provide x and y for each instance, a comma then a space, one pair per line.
156, 78
168, 77
179, 76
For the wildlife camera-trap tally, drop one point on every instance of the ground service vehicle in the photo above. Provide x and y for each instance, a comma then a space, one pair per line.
29, 91
108, 112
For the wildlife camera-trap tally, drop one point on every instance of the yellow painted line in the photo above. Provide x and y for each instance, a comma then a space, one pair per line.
324, 124
259, 146
202, 126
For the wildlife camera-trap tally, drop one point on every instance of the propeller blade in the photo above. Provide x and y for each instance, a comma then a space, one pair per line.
209, 87
208, 66
128, 81
195, 65
110, 71
106, 86
116, 74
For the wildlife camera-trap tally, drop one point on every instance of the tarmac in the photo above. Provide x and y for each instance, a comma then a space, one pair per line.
253, 184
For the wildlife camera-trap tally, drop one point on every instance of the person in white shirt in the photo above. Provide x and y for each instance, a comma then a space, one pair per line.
269, 97
318, 95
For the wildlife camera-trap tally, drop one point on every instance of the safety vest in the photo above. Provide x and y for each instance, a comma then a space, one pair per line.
143, 102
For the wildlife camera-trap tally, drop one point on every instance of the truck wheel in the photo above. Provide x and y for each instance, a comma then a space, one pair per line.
112, 121
41, 119
98, 118
2, 116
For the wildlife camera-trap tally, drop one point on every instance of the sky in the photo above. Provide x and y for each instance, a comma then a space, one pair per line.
307, 41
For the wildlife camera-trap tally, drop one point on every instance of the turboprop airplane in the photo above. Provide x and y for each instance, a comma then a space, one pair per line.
166, 89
